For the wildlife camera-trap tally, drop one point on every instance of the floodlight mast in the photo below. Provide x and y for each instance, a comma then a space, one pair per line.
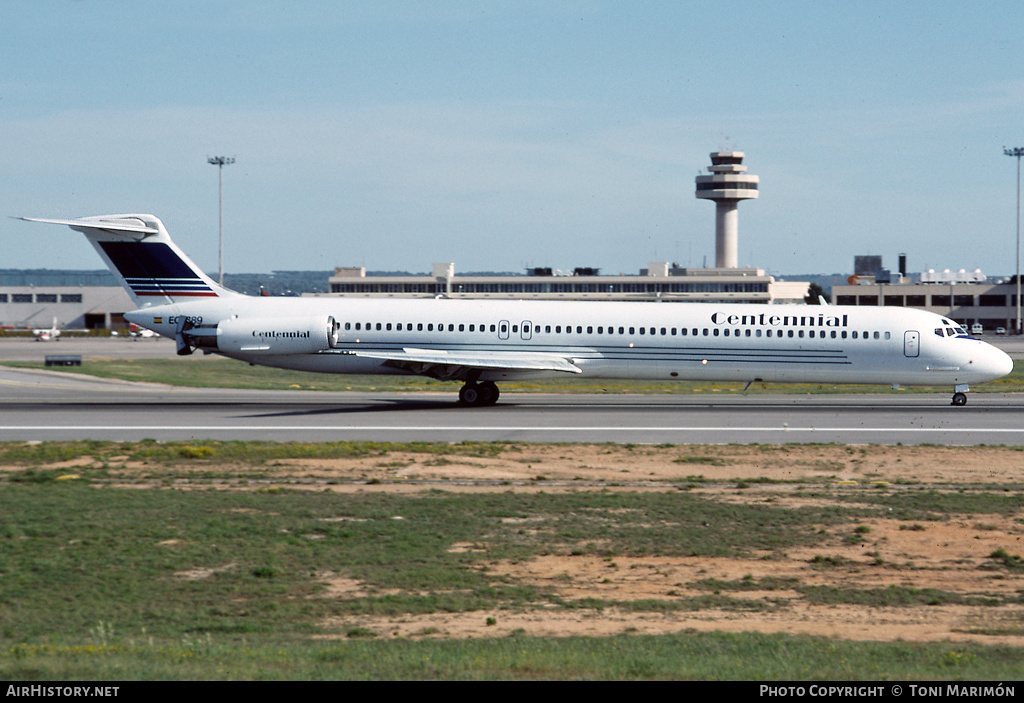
220, 162
1017, 152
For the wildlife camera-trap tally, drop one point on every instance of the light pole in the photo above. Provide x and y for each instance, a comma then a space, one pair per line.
1018, 152
220, 162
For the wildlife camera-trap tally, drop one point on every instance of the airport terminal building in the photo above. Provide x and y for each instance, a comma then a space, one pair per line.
991, 305
968, 297
102, 307
35, 299
658, 282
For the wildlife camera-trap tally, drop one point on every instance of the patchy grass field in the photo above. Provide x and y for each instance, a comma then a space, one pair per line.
371, 560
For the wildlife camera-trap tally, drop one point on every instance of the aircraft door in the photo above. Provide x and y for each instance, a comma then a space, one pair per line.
503, 329
911, 343
333, 327
527, 329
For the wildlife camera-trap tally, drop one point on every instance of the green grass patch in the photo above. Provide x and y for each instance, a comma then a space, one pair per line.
215, 452
101, 581
173, 563
363, 654
749, 583
706, 460
924, 505
892, 596
1000, 558
690, 604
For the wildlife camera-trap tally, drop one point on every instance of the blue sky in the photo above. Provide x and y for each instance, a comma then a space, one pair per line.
501, 135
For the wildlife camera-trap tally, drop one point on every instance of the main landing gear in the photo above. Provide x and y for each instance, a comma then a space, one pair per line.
960, 395
479, 395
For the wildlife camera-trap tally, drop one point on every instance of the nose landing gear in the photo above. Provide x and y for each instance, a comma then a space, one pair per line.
960, 394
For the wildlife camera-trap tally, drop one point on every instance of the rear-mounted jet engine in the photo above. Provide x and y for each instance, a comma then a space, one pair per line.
261, 336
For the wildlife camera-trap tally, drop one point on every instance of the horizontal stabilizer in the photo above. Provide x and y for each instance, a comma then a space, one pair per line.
140, 253
126, 225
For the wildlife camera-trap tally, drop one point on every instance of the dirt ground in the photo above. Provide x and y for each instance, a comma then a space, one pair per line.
943, 554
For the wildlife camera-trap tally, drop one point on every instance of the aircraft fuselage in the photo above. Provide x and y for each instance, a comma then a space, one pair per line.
685, 341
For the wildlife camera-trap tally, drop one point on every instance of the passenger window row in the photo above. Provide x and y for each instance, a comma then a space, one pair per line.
419, 327
529, 328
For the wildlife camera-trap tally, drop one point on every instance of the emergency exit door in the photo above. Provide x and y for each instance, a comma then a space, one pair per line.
911, 343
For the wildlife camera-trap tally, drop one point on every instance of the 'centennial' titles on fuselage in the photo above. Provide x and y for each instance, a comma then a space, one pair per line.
769, 320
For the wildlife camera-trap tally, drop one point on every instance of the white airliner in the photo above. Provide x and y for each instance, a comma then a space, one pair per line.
482, 342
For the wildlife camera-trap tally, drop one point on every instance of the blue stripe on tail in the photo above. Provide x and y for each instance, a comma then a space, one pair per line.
155, 269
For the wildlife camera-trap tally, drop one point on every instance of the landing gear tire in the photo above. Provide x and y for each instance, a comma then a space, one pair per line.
470, 394
479, 395
491, 392
959, 399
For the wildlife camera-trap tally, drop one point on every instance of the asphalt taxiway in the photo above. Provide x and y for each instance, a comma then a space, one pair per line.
40, 405
29, 349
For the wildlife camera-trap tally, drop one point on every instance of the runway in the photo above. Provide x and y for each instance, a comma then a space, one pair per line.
28, 349
39, 406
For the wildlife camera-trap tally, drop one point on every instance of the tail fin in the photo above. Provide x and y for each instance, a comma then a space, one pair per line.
141, 254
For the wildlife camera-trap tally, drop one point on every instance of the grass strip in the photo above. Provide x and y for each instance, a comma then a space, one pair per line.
373, 656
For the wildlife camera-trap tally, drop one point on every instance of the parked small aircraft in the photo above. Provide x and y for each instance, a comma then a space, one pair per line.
48, 335
136, 332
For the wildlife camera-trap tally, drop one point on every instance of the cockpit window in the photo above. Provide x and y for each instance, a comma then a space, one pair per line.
952, 329
939, 332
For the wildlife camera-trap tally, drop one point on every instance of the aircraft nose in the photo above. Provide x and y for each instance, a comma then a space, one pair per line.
995, 362
1005, 363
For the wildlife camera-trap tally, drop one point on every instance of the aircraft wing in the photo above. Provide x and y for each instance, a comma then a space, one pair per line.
457, 364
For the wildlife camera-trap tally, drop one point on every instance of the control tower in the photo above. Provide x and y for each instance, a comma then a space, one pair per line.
727, 185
